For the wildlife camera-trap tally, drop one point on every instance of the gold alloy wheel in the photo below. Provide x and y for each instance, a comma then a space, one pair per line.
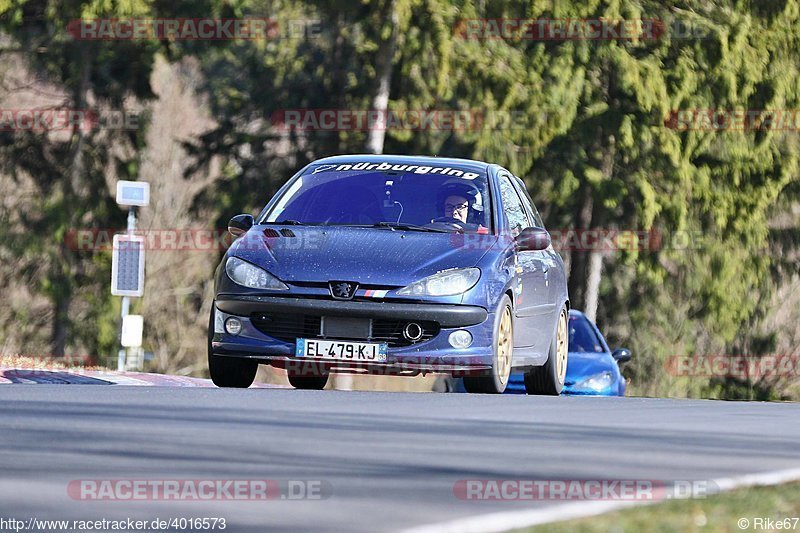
505, 346
561, 347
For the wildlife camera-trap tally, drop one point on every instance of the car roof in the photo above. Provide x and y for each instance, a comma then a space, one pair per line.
390, 158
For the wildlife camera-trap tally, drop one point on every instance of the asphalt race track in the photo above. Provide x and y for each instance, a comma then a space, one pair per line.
389, 460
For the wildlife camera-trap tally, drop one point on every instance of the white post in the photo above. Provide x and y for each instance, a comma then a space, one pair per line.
126, 301
592, 293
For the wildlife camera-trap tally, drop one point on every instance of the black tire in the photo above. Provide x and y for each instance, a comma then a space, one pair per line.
545, 379
233, 372
308, 382
497, 380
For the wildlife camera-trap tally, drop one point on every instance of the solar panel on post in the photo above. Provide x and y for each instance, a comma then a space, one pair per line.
127, 266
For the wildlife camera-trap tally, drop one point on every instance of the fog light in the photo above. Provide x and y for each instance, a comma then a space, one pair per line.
233, 326
460, 338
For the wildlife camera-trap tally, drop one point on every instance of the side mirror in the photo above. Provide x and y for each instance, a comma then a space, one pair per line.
240, 224
621, 355
533, 239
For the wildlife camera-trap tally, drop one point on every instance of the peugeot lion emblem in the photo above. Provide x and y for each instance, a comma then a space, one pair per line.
343, 290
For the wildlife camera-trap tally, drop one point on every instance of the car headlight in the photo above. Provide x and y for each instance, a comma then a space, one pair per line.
597, 382
249, 275
447, 283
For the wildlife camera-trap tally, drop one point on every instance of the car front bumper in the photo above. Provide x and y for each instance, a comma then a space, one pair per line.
433, 355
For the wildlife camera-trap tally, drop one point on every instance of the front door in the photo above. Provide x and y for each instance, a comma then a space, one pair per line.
532, 298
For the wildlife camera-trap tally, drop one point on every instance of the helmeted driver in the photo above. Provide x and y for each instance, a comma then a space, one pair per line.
459, 202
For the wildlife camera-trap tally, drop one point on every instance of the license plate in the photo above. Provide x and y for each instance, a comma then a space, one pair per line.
367, 352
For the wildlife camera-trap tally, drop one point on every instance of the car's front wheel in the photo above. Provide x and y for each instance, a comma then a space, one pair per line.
548, 379
231, 372
496, 382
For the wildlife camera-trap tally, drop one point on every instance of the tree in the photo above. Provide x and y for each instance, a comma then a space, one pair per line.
72, 173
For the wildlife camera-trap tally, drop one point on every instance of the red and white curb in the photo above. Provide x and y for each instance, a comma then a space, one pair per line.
102, 377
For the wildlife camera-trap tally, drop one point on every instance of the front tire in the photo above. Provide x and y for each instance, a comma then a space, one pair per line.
230, 372
496, 382
548, 379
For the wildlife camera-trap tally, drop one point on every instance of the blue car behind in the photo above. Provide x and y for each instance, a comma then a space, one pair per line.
592, 368
395, 265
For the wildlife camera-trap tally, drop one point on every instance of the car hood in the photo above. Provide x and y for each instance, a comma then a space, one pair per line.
582, 365
373, 256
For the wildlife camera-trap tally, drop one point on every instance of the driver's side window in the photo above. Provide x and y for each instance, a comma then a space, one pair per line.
512, 205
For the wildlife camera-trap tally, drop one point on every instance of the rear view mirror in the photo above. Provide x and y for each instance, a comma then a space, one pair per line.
533, 239
621, 355
240, 224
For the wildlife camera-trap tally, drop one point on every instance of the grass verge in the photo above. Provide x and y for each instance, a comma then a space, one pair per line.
718, 513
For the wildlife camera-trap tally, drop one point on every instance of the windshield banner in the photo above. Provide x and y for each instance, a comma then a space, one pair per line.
386, 167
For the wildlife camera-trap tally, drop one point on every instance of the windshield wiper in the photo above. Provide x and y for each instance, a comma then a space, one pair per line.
289, 223
408, 227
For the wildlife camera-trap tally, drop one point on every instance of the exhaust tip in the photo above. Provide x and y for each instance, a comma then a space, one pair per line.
412, 331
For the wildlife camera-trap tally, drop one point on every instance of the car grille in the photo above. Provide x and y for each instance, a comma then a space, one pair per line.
288, 328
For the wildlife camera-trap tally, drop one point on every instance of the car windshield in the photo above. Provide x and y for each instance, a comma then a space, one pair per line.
582, 337
417, 197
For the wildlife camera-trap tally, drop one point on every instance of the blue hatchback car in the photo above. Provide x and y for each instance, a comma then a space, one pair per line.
397, 265
593, 368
